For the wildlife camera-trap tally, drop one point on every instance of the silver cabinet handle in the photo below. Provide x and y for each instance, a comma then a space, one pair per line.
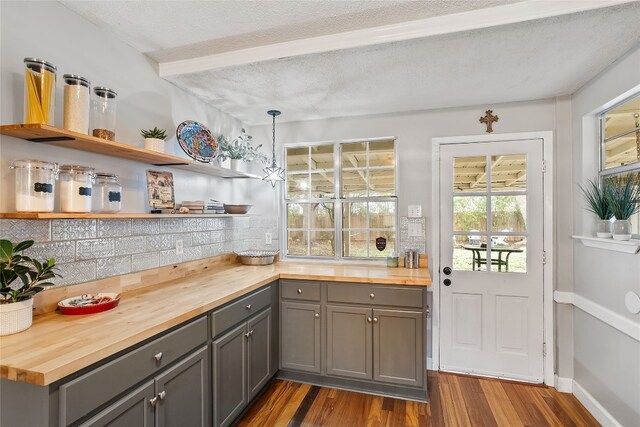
158, 357
369, 319
299, 291
153, 401
372, 295
162, 395
375, 320
317, 315
249, 307
248, 334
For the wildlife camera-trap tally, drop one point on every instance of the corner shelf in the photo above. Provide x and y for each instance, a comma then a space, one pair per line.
629, 246
45, 134
57, 215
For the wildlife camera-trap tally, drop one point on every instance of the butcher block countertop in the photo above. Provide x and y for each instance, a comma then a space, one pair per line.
58, 345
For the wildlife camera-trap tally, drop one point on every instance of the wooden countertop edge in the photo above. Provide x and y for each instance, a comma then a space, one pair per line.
44, 377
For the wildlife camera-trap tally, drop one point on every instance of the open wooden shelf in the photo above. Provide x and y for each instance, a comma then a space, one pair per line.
58, 215
45, 134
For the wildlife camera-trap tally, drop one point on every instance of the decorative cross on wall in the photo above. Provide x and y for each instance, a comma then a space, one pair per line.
489, 119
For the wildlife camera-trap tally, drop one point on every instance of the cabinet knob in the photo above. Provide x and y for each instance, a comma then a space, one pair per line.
158, 357
153, 401
375, 320
369, 319
249, 307
247, 335
317, 315
372, 295
299, 291
162, 395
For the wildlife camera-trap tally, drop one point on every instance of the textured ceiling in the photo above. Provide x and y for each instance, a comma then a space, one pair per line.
174, 30
532, 60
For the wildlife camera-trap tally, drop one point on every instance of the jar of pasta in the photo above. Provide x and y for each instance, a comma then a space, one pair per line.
35, 182
107, 193
76, 103
103, 113
76, 187
39, 91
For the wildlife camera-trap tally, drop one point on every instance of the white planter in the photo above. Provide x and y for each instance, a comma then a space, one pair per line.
622, 229
235, 164
16, 317
154, 144
603, 228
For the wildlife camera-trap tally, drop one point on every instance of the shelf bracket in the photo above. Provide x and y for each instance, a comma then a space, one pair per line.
52, 139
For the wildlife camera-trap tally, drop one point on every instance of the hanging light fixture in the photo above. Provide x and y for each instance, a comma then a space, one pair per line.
273, 173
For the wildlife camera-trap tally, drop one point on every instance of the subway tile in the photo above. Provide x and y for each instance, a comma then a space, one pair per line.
241, 222
225, 224
195, 224
114, 227
94, 248
18, 230
221, 235
170, 225
73, 229
169, 257
60, 251
76, 272
192, 253
130, 245
113, 266
202, 237
141, 227
212, 250
144, 261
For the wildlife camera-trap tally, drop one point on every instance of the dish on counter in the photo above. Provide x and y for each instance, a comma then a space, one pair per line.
88, 303
236, 209
197, 141
257, 257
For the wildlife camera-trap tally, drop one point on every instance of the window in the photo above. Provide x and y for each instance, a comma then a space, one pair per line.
341, 199
620, 144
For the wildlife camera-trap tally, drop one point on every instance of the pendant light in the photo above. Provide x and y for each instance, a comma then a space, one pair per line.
273, 173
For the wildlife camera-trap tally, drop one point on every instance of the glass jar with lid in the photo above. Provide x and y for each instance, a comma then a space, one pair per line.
76, 184
39, 91
35, 182
107, 193
103, 113
76, 103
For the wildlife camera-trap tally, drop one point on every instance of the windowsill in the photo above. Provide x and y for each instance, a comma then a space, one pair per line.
630, 246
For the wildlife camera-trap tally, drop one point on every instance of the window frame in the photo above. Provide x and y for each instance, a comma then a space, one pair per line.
337, 200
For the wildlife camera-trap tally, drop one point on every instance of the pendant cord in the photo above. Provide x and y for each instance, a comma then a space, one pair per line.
637, 123
273, 152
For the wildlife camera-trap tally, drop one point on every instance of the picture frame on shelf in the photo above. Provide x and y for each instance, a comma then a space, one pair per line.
160, 190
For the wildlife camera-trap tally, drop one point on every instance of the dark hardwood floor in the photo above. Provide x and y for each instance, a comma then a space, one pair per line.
456, 400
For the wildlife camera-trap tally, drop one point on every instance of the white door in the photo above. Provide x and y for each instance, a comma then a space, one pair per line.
491, 249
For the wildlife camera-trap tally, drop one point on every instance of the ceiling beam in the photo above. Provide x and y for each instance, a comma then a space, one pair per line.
438, 25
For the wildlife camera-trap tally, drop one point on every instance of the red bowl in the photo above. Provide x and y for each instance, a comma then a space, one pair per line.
66, 307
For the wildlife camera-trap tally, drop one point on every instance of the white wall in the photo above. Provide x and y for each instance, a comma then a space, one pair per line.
50, 31
606, 362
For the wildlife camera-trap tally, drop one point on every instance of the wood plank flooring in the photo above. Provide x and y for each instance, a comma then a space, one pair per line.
456, 400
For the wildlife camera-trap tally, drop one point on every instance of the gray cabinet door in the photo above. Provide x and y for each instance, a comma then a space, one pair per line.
259, 352
300, 336
349, 347
133, 409
398, 347
183, 392
229, 375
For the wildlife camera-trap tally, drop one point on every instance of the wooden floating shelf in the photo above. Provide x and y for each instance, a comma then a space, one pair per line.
626, 246
45, 134
57, 215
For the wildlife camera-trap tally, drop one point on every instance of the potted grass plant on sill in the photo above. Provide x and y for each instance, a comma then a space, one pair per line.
624, 200
21, 278
597, 196
154, 139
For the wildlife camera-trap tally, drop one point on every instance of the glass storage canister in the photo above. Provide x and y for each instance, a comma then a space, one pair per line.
76, 183
76, 103
107, 193
103, 113
35, 182
39, 91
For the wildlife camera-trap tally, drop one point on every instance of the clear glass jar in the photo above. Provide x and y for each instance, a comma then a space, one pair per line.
76, 184
103, 113
107, 193
39, 91
35, 183
76, 103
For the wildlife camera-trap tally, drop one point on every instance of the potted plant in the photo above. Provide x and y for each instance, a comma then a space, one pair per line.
154, 139
239, 149
597, 197
624, 199
21, 277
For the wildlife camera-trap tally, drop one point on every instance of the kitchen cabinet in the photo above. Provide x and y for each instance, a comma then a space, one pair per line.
134, 409
300, 336
349, 341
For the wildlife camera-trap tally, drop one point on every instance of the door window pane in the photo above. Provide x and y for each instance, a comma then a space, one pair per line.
469, 213
509, 213
509, 254
297, 242
509, 173
469, 252
469, 174
322, 243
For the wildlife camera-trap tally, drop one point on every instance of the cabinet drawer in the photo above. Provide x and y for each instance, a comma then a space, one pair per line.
237, 311
375, 295
300, 290
91, 390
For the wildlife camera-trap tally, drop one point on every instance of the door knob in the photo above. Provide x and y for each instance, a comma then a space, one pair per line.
447, 282
447, 270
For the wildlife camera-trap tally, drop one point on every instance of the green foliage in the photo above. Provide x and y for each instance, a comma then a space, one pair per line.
470, 213
21, 277
240, 148
597, 197
154, 133
624, 195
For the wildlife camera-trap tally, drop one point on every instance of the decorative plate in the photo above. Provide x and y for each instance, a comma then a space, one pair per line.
88, 304
196, 140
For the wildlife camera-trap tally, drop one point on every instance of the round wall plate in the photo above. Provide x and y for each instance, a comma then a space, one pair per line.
197, 141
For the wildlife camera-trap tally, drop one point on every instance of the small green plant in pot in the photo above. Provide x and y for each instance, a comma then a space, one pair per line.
154, 139
624, 199
596, 194
21, 278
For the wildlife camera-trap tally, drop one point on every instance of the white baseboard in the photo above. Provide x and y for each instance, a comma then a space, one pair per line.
429, 363
597, 410
563, 384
